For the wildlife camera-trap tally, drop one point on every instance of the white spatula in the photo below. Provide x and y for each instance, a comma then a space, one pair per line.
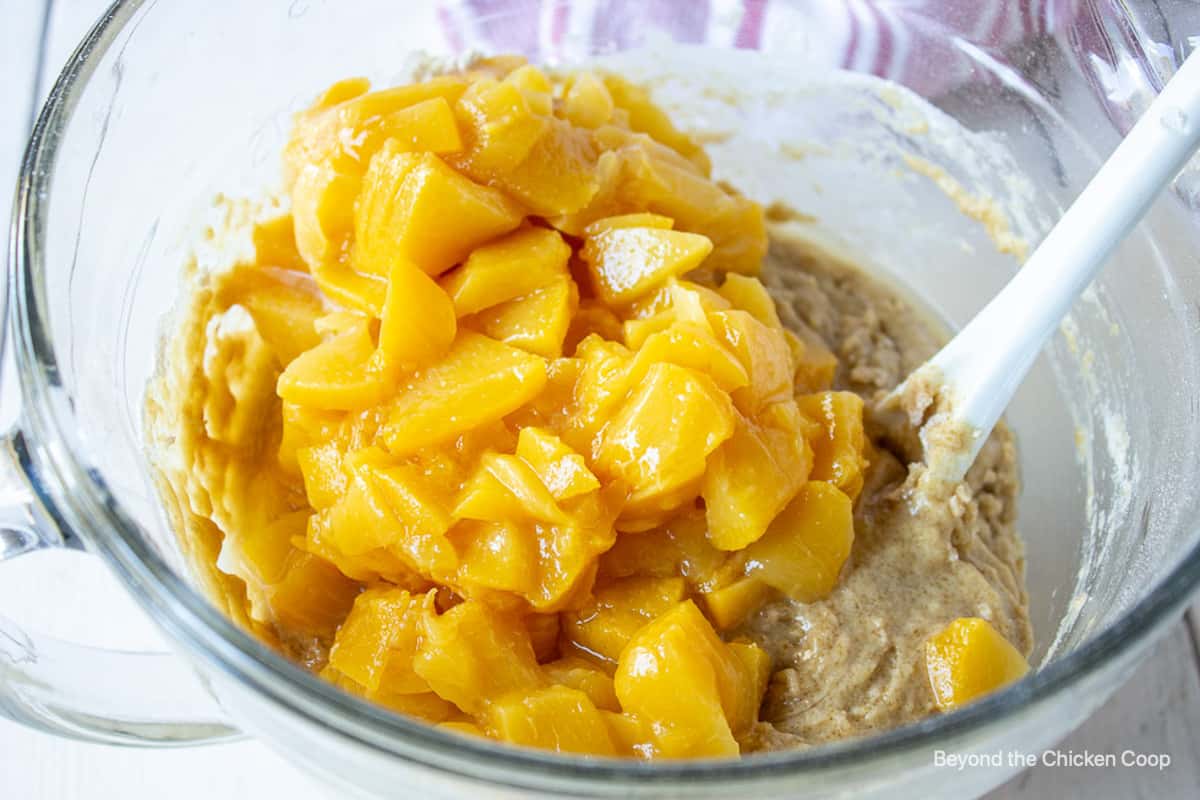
981, 367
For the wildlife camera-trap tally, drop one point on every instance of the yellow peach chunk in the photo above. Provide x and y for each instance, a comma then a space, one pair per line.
415, 207
275, 244
730, 605
349, 124
688, 344
507, 487
555, 718
646, 117
679, 676
562, 470
428, 126
324, 479
587, 101
537, 323
393, 509
603, 627
420, 507
839, 447
626, 263
680, 547
478, 381
750, 479
581, 674
495, 556
755, 674
371, 567
748, 294
313, 597
969, 659
659, 440
763, 352
323, 211
537, 88
804, 549
375, 645
815, 363
636, 220
332, 143
567, 553
338, 374
418, 323
473, 654
501, 126
283, 304
365, 293
631, 735
514, 266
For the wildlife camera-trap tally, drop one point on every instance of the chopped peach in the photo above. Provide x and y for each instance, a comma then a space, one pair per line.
496, 556
275, 244
587, 101
514, 447
637, 220
659, 440
324, 479
501, 126
418, 323
619, 610
478, 381
555, 718
313, 597
969, 659
838, 450
365, 293
417, 208
629, 262
804, 549
816, 364
748, 294
537, 88
507, 488
428, 126
376, 643
730, 605
338, 374
692, 345
750, 479
304, 427
473, 654
323, 211
646, 117
562, 470
763, 352
631, 735
695, 691
581, 674
537, 323
681, 547
524, 261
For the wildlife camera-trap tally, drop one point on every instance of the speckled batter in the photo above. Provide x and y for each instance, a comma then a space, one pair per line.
924, 552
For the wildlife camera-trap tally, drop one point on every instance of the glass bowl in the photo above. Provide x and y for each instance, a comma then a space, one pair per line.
165, 105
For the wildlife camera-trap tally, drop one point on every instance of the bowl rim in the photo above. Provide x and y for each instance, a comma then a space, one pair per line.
84, 502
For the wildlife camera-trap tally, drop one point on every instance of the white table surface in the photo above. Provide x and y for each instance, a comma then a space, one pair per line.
1157, 712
